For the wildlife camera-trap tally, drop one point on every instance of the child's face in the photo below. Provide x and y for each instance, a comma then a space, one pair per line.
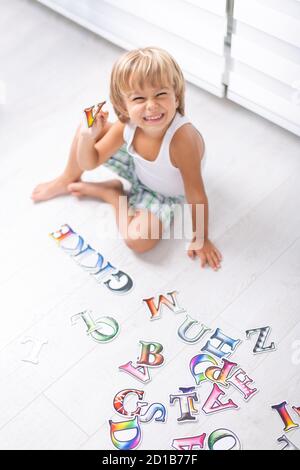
151, 108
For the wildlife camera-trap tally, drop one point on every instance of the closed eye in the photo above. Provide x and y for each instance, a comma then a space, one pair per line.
141, 97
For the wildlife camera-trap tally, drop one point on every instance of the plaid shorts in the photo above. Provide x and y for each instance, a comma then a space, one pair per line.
140, 196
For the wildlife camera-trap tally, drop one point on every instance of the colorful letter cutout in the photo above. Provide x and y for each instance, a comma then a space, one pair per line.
172, 305
188, 323
128, 444
94, 326
262, 338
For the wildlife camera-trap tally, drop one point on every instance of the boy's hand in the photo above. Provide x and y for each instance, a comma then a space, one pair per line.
95, 130
207, 253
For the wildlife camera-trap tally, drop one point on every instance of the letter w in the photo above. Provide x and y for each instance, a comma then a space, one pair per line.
172, 305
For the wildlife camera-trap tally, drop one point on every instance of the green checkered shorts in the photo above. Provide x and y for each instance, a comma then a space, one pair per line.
140, 196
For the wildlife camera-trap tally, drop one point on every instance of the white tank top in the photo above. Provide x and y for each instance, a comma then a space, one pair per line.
159, 175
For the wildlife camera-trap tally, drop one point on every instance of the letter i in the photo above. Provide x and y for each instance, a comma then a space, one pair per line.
284, 415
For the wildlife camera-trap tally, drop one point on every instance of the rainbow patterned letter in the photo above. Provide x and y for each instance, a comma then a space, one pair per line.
126, 426
199, 359
119, 401
284, 415
223, 372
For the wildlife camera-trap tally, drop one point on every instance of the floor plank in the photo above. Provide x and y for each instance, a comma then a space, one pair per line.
251, 178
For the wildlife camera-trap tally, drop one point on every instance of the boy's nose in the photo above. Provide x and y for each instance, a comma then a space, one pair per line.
151, 104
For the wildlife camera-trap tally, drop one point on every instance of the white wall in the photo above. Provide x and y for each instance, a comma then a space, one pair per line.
259, 70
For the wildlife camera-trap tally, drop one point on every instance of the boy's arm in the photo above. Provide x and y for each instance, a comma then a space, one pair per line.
110, 142
188, 150
93, 151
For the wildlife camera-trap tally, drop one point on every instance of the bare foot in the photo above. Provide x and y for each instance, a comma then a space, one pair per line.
104, 190
51, 189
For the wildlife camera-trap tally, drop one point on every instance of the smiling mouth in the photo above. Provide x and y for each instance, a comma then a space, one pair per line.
155, 118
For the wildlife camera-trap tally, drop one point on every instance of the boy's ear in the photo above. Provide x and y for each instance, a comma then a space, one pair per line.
123, 115
124, 111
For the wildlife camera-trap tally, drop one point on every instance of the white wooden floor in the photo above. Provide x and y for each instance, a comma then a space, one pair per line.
51, 69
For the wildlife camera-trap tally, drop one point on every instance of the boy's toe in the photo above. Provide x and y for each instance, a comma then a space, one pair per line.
75, 189
71, 187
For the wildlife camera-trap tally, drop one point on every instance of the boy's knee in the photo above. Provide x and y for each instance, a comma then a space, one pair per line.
139, 245
144, 227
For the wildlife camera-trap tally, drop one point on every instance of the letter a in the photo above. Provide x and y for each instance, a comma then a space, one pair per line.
213, 403
140, 373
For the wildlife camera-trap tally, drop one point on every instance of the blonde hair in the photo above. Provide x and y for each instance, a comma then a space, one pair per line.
148, 65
